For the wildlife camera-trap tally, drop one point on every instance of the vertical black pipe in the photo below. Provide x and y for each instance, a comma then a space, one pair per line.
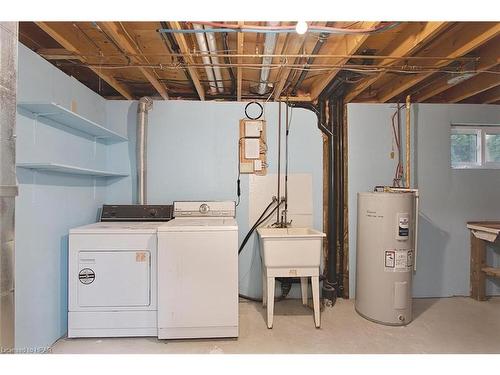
340, 204
330, 284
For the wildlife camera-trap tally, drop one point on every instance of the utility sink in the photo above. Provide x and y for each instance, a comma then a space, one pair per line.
290, 247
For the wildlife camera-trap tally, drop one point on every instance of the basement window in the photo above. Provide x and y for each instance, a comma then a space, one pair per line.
475, 146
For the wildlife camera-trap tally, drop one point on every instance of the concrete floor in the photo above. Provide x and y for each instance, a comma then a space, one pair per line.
444, 325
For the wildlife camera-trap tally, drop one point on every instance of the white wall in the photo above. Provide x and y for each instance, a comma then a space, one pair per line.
449, 198
49, 204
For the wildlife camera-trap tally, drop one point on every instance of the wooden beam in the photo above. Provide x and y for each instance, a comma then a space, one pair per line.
406, 45
181, 41
487, 60
292, 48
64, 42
471, 87
468, 38
348, 45
239, 71
115, 32
487, 97
58, 54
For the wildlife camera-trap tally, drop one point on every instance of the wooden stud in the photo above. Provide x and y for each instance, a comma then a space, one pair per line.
63, 41
183, 45
453, 46
406, 47
347, 46
113, 30
477, 263
239, 71
487, 60
471, 87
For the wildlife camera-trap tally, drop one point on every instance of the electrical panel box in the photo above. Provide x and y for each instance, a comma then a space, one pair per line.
252, 147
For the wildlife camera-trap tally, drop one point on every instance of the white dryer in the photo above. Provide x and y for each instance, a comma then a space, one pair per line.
198, 272
112, 274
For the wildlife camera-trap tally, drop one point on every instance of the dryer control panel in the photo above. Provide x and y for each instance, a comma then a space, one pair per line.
204, 209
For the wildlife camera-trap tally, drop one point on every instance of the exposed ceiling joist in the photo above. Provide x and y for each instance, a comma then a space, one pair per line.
489, 58
455, 45
407, 45
471, 87
58, 54
239, 72
181, 40
292, 48
486, 97
114, 31
63, 41
348, 46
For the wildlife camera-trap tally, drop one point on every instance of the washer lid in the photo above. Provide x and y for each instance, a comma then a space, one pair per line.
199, 224
127, 227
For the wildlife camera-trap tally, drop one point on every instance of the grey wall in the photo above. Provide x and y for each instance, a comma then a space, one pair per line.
449, 198
193, 148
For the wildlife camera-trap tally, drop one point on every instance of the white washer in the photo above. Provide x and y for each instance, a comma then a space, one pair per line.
112, 280
198, 272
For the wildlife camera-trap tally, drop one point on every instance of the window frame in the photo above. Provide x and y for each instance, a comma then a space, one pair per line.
480, 130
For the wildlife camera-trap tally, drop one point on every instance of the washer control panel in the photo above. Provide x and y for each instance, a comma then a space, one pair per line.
204, 209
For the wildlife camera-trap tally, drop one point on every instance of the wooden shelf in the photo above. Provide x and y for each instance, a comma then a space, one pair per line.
68, 169
63, 116
491, 271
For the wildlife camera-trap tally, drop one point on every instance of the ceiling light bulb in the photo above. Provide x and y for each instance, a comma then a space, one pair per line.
301, 27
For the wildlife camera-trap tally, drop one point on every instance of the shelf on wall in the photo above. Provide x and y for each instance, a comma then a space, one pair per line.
63, 116
69, 169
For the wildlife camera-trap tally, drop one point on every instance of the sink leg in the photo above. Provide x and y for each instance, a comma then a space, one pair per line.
270, 301
303, 288
315, 293
264, 288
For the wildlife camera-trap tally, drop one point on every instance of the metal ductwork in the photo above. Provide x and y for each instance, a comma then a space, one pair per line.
145, 105
202, 45
269, 46
8, 187
212, 46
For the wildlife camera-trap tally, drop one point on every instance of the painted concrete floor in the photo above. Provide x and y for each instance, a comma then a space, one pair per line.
444, 325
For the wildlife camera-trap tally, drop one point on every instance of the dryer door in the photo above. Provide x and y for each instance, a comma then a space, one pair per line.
114, 278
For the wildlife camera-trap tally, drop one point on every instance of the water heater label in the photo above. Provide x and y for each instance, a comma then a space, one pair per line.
403, 226
398, 260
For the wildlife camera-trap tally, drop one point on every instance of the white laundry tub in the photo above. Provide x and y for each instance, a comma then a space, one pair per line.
290, 247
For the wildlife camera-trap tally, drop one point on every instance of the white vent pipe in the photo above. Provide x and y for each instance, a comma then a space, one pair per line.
202, 45
269, 46
212, 45
145, 105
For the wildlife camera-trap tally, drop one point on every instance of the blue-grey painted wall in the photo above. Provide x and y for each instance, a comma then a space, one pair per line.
448, 198
49, 204
193, 148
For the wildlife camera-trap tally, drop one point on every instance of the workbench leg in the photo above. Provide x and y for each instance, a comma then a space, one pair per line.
477, 262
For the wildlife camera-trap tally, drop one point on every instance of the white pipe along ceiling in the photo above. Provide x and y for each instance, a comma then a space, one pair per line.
202, 45
269, 46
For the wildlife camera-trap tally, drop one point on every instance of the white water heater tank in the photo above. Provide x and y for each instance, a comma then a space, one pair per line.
385, 255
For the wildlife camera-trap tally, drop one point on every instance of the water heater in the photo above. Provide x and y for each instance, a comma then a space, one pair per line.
385, 255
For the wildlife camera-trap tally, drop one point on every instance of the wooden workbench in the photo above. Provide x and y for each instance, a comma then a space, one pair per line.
481, 233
